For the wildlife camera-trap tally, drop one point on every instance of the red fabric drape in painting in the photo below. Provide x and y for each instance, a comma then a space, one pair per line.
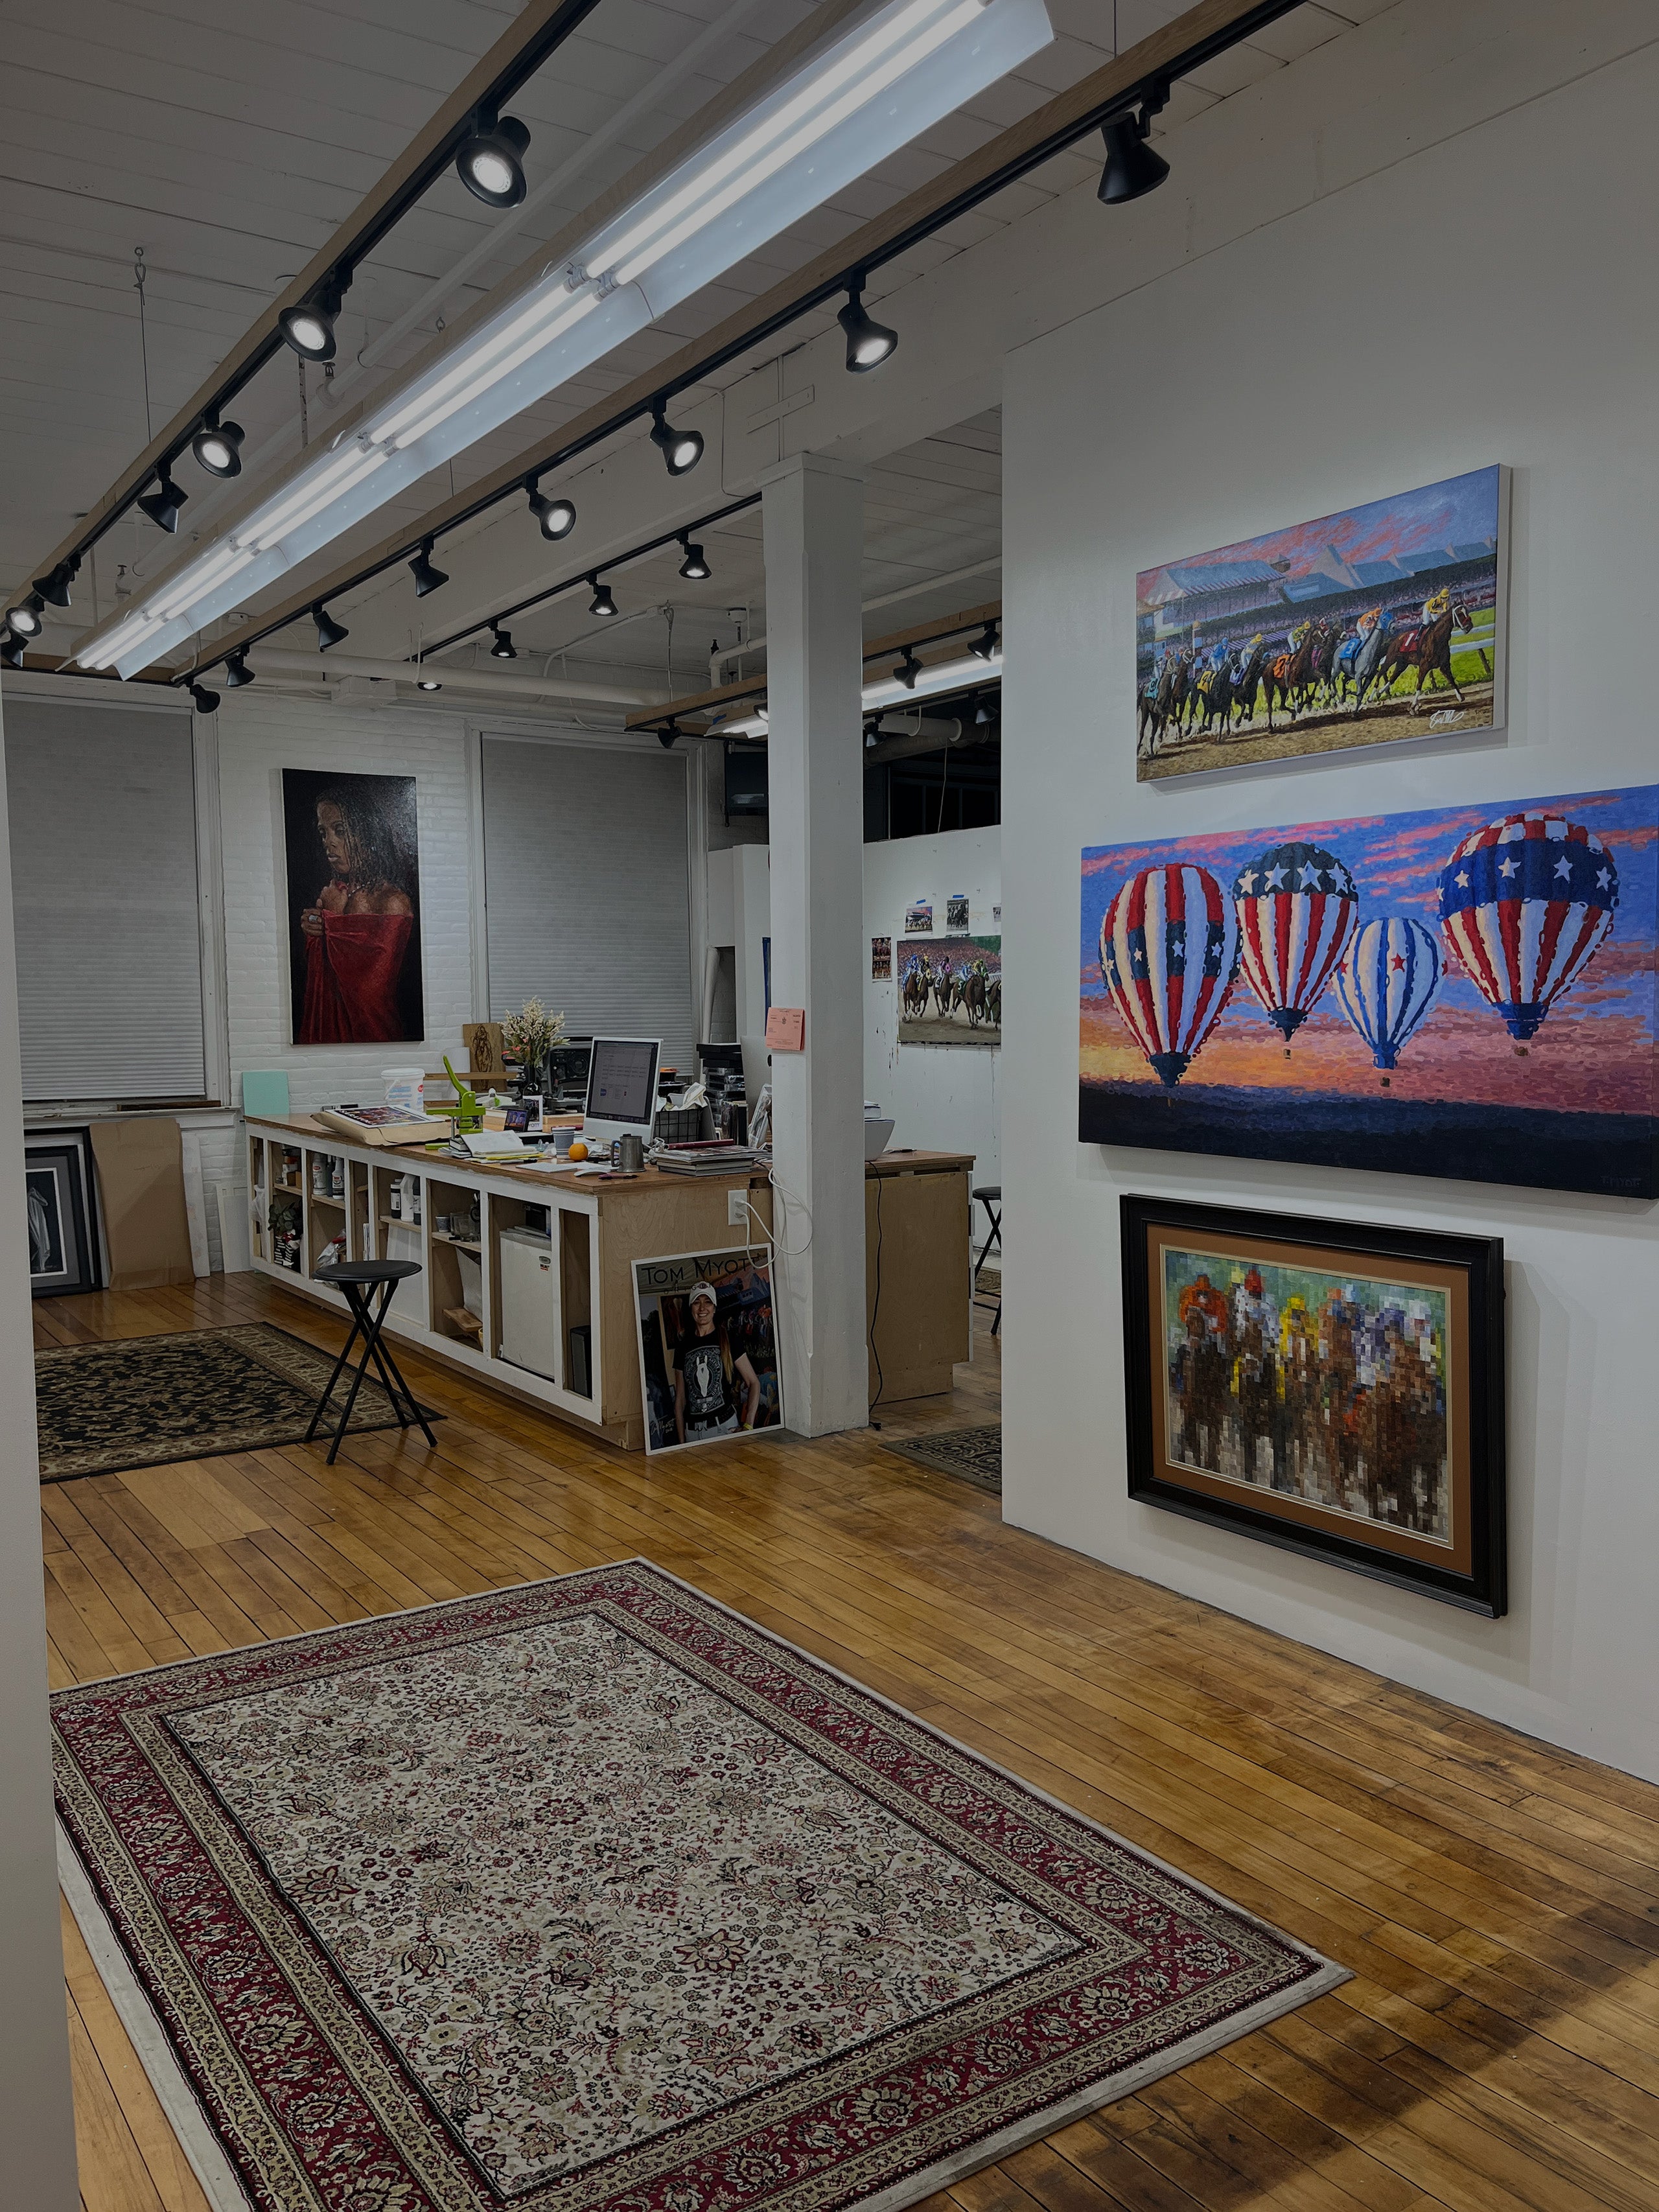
351, 979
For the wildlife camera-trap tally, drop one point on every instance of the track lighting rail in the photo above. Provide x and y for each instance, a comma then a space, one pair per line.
1138, 77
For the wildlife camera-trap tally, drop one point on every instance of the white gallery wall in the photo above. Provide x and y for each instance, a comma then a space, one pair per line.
942, 1097
1358, 295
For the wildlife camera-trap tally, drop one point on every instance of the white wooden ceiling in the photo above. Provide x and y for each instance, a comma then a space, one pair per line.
228, 141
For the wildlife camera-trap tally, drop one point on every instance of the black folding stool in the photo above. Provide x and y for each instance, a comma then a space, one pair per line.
357, 1280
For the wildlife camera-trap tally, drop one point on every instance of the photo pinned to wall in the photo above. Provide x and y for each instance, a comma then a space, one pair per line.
708, 1364
919, 919
59, 1187
952, 992
1331, 1388
881, 959
1466, 991
1384, 622
955, 911
353, 908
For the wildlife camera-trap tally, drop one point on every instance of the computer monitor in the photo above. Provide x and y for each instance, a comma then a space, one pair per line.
756, 1069
622, 1089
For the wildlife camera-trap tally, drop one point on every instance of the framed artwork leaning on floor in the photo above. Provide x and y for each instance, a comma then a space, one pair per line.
1335, 1388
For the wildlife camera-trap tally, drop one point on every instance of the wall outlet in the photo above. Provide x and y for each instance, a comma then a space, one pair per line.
737, 1209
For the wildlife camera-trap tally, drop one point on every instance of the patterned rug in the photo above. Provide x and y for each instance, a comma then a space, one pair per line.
591, 1894
146, 1401
975, 1454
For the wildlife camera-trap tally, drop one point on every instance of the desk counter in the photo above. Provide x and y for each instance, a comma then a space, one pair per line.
917, 1215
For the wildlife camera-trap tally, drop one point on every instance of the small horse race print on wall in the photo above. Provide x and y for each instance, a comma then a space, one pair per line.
1382, 622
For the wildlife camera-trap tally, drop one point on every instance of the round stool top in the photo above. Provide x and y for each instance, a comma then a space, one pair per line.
988, 1190
367, 1271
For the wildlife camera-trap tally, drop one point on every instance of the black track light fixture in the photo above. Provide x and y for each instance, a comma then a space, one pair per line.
680, 449
427, 577
237, 671
668, 736
309, 328
986, 711
907, 669
26, 618
54, 588
205, 702
11, 652
1132, 168
162, 505
985, 645
602, 603
557, 517
868, 342
218, 446
491, 163
503, 648
329, 632
693, 568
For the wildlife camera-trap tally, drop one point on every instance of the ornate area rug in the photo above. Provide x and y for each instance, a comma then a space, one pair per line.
975, 1454
146, 1401
593, 1895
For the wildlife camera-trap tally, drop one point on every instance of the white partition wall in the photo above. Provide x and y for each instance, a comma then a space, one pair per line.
1396, 316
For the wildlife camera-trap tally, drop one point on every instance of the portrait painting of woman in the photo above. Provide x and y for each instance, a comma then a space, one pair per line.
353, 908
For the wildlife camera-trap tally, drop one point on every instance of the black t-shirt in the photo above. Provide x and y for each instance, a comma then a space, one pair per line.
707, 1392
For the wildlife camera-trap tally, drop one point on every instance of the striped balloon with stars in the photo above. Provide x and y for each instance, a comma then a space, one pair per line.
1525, 905
1169, 954
1296, 908
1389, 983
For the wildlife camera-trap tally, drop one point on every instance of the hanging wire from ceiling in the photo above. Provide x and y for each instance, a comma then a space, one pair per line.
139, 273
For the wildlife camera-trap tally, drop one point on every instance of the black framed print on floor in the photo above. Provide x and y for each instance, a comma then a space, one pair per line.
1333, 1387
62, 1242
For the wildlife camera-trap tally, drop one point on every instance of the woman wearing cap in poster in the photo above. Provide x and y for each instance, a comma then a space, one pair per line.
704, 1373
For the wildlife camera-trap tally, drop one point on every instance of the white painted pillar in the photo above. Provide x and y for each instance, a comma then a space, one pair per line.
37, 2118
813, 511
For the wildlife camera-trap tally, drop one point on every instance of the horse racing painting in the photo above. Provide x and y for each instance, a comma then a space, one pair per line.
951, 992
1335, 1388
1468, 991
1382, 622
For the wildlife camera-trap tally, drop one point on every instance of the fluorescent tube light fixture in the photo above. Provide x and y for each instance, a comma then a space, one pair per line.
892, 691
860, 97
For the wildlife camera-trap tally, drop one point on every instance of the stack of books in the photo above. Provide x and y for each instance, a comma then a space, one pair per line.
704, 1156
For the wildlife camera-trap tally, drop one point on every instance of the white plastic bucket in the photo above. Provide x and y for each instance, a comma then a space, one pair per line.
405, 1087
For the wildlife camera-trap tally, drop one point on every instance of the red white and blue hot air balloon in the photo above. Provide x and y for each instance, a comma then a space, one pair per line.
1169, 953
1525, 904
1296, 908
1389, 983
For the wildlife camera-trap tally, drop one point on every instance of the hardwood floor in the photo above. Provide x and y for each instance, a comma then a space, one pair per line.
1497, 1900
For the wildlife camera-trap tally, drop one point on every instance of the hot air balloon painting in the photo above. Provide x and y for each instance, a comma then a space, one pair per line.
1169, 953
1389, 983
1296, 907
1496, 966
1526, 903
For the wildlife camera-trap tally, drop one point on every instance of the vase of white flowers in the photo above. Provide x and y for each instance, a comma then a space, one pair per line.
529, 1036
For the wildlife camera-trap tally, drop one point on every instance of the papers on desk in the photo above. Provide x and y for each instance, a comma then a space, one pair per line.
487, 1145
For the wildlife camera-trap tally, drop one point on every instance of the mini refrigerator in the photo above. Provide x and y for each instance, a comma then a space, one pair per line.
530, 1314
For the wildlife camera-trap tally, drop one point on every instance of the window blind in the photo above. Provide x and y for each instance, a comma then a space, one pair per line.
105, 897
586, 889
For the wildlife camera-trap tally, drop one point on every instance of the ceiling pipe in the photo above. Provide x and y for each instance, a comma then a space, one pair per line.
495, 683
719, 659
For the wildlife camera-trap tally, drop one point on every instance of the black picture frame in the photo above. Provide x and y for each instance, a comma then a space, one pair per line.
1449, 1541
59, 1187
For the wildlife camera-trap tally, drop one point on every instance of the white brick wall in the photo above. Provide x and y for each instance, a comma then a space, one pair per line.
260, 735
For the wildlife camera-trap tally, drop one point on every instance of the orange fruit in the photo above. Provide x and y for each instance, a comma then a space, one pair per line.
577, 1149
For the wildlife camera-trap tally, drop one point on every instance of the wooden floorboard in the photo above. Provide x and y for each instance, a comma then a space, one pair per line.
1497, 1899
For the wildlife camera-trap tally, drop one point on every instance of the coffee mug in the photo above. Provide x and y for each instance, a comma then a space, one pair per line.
630, 1154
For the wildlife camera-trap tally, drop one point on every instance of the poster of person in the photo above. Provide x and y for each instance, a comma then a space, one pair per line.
881, 959
353, 908
1331, 1387
708, 1365
951, 992
1386, 621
